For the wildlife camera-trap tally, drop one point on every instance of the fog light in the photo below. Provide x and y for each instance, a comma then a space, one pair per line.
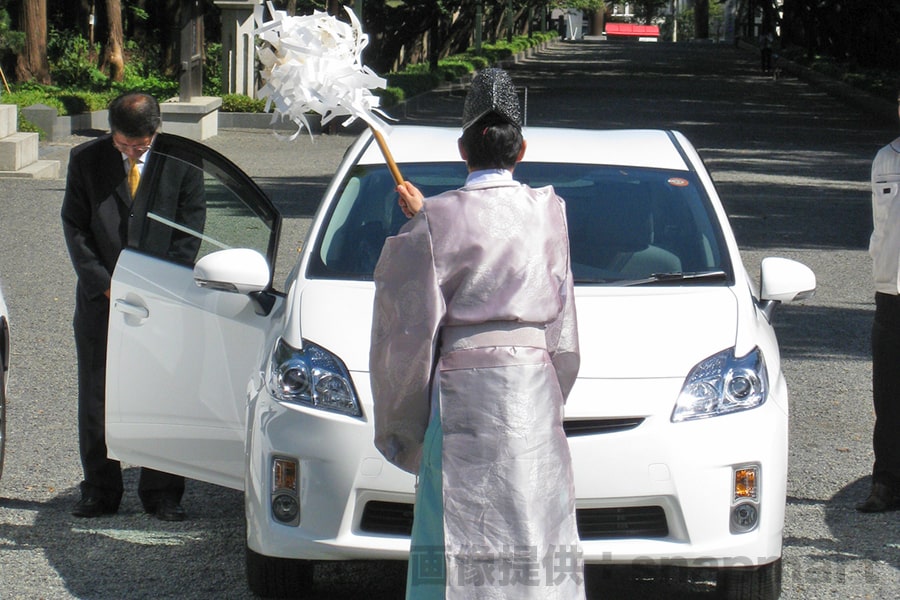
744, 517
285, 491
285, 508
746, 481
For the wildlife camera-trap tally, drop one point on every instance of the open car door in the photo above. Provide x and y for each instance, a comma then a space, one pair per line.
181, 358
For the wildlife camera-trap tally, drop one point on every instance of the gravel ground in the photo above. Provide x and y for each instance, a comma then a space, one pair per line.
791, 163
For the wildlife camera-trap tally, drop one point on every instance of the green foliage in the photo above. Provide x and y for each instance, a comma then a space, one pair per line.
413, 83
453, 68
72, 61
66, 102
391, 96
418, 78
138, 13
498, 51
212, 70
478, 61
10, 41
686, 25
595, 5
83, 88
26, 94
156, 85
24, 125
241, 103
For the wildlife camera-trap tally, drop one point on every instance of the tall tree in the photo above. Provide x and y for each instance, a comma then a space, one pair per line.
32, 63
701, 19
114, 53
394, 28
647, 10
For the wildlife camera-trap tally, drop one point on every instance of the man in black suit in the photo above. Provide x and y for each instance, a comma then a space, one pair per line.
104, 210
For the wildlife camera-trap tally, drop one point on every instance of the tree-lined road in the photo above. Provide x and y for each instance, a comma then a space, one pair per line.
792, 166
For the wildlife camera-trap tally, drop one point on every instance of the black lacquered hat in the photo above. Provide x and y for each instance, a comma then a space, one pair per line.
492, 91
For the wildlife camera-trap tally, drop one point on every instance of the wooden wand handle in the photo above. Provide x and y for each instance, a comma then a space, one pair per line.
398, 178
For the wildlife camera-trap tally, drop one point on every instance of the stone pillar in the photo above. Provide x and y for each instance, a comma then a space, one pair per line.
190, 82
238, 51
191, 114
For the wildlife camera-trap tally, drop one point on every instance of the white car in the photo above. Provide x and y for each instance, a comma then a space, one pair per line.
4, 374
678, 423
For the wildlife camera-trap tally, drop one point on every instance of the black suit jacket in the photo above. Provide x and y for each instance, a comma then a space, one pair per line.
100, 218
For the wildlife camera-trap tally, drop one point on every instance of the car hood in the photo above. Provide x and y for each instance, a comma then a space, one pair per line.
636, 332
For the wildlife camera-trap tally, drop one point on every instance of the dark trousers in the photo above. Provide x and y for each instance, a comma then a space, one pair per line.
765, 56
102, 475
886, 389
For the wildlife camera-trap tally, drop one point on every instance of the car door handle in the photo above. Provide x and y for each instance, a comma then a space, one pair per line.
128, 308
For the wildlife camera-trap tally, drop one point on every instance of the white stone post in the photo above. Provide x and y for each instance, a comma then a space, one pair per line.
238, 50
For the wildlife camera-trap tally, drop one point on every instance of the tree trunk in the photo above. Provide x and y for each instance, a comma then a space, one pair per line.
32, 64
75, 14
114, 55
169, 25
701, 19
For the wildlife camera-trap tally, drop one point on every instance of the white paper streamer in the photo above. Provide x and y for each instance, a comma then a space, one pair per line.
314, 63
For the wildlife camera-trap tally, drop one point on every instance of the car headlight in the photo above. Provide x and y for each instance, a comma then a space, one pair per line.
311, 376
723, 384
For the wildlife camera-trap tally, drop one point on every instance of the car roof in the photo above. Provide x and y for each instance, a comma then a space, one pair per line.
651, 148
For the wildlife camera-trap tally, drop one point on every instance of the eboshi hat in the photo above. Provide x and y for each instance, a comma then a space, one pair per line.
492, 91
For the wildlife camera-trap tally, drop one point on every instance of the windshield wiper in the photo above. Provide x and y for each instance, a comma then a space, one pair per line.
663, 278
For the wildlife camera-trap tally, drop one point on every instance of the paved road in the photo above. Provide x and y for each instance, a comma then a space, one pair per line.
792, 166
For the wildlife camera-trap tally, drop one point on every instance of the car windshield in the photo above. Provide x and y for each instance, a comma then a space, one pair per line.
627, 226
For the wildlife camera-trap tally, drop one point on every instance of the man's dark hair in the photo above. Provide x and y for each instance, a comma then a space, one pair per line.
492, 142
134, 115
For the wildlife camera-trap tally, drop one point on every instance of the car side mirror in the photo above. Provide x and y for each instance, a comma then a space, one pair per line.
239, 271
784, 280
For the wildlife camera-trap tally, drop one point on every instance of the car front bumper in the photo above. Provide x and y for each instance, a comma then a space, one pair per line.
658, 493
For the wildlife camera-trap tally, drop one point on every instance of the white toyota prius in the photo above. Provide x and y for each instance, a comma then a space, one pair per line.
678, 424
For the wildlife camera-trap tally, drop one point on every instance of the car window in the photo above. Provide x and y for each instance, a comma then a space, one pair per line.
631, 224
366, 212
193, 202
626, 225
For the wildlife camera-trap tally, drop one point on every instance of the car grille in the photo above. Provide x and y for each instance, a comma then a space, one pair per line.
395, 518
392, 518
578, 427
618, 523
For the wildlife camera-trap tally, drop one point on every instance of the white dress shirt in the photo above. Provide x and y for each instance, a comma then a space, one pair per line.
884, 245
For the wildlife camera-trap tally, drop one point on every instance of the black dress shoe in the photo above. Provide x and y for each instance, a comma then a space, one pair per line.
167, 510
881, 499
94, 506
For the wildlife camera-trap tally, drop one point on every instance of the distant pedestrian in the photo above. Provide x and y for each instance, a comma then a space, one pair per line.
884, 248
766, 41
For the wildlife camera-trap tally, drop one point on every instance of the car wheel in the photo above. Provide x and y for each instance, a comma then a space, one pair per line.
750, 583
272, 577
2, 419
4, 366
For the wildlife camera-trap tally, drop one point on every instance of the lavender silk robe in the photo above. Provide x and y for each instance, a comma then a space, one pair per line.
474, 338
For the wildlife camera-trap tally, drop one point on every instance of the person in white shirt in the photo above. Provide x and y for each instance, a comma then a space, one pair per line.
884, 248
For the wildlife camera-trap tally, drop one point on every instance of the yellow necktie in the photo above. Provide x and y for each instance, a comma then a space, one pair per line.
134, 177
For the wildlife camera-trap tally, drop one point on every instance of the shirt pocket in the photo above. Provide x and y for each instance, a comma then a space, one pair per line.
885, 192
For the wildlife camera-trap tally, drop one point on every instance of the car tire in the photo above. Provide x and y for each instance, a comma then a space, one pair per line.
4, 368
271, 577
750, 583
2, 419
